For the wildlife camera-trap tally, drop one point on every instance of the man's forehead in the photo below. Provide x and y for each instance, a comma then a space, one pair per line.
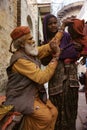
28, 36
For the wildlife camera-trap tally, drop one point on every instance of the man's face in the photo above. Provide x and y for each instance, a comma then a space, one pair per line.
30, 46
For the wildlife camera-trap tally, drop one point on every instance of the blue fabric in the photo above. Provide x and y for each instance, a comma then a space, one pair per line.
86, 62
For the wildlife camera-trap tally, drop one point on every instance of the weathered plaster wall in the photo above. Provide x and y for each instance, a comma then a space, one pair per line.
8, 13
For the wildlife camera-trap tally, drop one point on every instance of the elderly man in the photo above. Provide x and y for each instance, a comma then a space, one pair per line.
26, 79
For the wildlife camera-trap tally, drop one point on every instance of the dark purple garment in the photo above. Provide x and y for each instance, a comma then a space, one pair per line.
69, 51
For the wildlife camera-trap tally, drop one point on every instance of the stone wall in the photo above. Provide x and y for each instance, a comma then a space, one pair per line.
33, 13
11, 15
29, 16
8, 20
14, 13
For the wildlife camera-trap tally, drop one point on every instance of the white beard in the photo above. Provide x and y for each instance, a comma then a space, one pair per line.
31, 49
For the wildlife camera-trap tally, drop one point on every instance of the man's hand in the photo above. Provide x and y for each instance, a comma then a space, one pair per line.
55, 48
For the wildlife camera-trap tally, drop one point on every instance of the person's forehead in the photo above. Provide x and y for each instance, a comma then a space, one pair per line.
52, 19
27, 36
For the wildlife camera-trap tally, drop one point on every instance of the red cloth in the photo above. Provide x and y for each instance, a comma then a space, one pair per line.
78, 26
2, 99
19, 31
85, 29
10, 119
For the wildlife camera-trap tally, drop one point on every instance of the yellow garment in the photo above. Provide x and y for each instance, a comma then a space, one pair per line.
32, 71
4, 110
59, 36
44, 115
43, 118
44, 51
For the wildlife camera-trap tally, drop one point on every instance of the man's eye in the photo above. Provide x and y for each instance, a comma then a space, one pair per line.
30, 38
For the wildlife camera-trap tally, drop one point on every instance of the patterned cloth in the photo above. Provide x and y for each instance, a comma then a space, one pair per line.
63, 89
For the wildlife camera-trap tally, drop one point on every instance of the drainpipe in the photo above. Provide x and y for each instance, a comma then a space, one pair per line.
38, 23
18, 12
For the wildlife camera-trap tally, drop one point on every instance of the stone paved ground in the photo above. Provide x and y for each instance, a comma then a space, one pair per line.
82, 113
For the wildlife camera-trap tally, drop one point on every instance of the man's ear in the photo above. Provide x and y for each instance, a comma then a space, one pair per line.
22, 45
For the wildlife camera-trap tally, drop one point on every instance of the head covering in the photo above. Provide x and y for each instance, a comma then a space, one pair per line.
78, 26
19, 31
45, 24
